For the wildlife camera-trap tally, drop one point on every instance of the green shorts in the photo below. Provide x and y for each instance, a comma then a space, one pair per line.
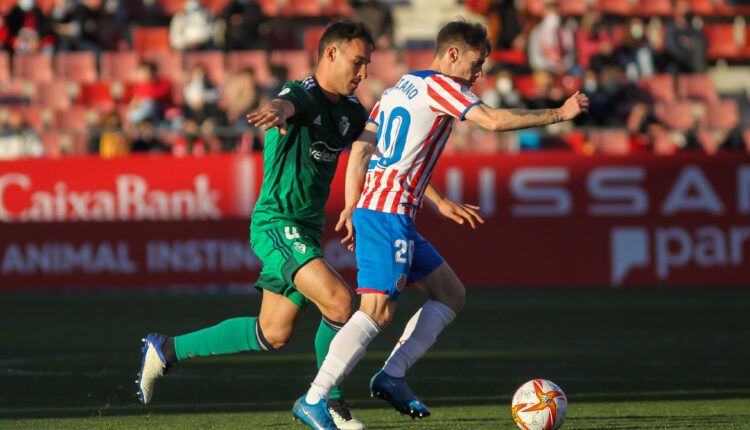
283, 251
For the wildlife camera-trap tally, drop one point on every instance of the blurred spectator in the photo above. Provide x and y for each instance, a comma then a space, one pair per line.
91, 25
3, 34
685, 45
147, 13
151, 95
191, 28
377, 15
635, 54
507, 26
551, 45
146, 139
243, 22
108, 139
241, 95
201, 96
194, 140
594, 43
28, 30
17, 139
503, 95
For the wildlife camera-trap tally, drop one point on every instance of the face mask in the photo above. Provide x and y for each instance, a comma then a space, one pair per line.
26, 5
636, 31
590, 85
504, 85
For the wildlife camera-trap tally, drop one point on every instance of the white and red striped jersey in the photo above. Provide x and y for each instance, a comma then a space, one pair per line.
414, 119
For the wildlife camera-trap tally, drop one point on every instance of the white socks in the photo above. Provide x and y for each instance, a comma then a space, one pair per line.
347, 348
419, 335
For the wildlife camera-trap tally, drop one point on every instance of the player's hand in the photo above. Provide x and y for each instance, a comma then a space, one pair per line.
268, 117
460, 212
345, 220
574, 106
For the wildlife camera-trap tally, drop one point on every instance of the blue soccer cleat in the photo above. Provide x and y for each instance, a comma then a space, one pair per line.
316, 416
395, 391
153, 365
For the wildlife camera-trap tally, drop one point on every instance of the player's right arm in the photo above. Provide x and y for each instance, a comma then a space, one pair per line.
272, 114
515, 119
356, 170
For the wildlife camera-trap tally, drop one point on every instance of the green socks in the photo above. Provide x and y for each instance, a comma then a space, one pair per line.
227, 337
326, 331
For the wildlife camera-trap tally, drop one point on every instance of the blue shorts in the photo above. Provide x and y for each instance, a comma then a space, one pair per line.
390, 253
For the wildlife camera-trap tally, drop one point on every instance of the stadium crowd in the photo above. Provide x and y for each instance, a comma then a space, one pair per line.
115, 77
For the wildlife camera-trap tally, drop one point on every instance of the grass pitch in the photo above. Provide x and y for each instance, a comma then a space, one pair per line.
627, 359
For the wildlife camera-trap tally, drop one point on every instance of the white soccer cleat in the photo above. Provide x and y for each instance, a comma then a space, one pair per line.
153, 365
342, 415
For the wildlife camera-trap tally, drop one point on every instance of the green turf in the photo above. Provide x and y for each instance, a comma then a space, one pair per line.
627, 359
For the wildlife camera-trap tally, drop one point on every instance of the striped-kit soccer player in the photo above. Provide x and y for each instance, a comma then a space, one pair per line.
387, 179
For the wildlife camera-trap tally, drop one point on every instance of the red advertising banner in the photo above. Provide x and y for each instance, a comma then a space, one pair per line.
553, 219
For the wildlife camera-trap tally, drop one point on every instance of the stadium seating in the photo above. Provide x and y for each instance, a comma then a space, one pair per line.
54, 95
723, 115
256, 60
119, 66
721, 41
76, 66
151, 39
213, 61
33, 67
297, 62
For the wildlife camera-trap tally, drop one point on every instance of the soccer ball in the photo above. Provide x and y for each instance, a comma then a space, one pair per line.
539, 405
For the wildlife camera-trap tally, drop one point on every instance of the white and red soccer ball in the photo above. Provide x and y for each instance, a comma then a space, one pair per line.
539, 405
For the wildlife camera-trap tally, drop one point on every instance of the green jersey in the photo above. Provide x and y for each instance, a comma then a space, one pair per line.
299, 166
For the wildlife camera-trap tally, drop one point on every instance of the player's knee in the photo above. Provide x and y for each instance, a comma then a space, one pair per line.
455, 298
277, 338
339, 307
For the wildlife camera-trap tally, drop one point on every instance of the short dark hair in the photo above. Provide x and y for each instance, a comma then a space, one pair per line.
472, 34
344, 30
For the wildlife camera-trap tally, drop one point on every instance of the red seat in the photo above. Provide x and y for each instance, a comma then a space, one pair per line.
54, 95
296, 62
509, 56
311, 37
168, 65
723, 115
97, 96
702, 7
649, 8
213, 61
4, 66
76, 66
573, 7
119, 66
697, 86
660, 87
256, 60
615, 7
526, 86
677, 115
74, 119
418, 59
171, 7
301, 8
34, 67
216, 6
272, 7
721, 42
151, 39
611, 142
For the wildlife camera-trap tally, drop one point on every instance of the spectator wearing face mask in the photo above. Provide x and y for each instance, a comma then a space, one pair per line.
551, 45
28, 29
685, 45
635, 55
192, 28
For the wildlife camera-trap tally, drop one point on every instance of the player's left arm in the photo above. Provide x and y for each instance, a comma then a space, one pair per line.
356, 169
514, 119
458, 212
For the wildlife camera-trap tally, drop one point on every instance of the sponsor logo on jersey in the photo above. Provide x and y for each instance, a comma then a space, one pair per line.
401, 282
344, 125
300, 247
318, 121
323, 153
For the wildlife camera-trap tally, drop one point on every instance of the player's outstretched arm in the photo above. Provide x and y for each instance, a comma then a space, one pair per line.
458, 212
356, 169
272, 114
515, 119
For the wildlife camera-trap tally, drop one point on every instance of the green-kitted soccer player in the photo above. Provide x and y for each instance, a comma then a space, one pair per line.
308, 125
